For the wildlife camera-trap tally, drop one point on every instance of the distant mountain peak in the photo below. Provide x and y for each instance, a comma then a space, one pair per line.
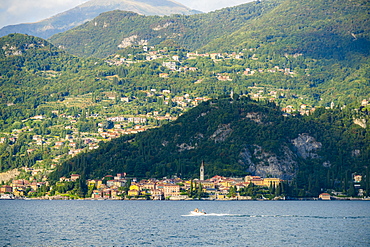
91, 9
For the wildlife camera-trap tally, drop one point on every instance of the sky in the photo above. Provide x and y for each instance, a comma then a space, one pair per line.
26, 11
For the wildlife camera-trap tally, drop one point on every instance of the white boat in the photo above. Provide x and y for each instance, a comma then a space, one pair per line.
7, 197
197, 212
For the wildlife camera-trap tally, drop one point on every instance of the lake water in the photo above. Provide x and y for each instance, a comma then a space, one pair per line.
168, 223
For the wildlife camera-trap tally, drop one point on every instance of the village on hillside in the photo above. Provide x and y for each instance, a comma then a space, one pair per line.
64, 131
122, 187
41, 142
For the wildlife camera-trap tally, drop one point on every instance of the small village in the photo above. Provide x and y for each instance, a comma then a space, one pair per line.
122, 187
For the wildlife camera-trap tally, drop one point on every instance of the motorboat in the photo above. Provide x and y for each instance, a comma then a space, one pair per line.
197, 212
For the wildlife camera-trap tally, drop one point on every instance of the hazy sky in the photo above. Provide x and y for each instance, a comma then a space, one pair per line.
24, 11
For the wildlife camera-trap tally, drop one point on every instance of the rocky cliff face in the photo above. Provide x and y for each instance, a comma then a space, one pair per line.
305, 146
265, 164
282, 164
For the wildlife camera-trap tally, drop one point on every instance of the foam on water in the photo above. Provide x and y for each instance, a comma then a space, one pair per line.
273, 216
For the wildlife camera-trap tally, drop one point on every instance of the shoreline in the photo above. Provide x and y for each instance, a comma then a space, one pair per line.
205, 199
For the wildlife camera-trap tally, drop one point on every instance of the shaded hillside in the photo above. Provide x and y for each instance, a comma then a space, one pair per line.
89, 10
319, 29
112, 31
235, 138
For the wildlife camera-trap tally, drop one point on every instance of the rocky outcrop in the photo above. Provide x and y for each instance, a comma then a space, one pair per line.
282, 164
360, 122
160, 27
305, 146
129, 41
254, 116
222, 132
265, 164
184, 146
20, 49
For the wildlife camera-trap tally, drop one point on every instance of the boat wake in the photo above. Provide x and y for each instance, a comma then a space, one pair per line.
272, 216
209, 215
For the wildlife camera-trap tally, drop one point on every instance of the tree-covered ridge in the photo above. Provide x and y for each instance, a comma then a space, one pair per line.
318, 29
330, 39
104, 35
233, 137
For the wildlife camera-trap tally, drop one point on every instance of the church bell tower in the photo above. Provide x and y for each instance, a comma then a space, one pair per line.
202, 171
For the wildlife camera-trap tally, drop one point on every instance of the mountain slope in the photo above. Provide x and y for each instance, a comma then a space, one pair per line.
331, 37
105, 34
326, 47
33, 71
319, 29
234, 138
89, 10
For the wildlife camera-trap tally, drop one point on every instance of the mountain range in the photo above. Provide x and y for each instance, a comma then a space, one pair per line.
89, 10
111, 31
339, 30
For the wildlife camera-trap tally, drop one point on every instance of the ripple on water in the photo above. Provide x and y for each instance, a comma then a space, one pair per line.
129, 223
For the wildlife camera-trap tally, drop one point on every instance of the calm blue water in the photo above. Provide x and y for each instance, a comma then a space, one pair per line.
167, 223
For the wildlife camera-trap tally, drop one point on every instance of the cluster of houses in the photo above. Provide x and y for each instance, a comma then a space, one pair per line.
18, 188
217, 187
121, 187
77, 142
112, 187
173, 62
172, 66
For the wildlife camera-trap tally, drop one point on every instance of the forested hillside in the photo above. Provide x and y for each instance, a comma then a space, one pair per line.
115, 30
235, 137
318, 29
33, 72
332, 37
